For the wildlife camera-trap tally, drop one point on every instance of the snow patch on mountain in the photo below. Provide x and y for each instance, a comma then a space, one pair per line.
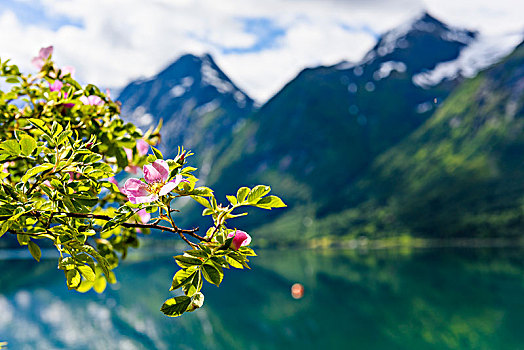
478, 55
211, 77
140, 117
387, 67
344, 65
177, 91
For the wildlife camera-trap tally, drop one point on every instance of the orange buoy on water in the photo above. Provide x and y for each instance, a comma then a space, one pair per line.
297, 291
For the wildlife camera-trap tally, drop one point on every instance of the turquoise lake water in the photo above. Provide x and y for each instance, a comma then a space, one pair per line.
384, 299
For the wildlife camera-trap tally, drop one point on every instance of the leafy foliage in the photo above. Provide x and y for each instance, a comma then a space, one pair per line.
61, 146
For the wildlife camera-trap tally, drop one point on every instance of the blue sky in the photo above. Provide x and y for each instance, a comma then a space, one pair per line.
34, 13
260, 44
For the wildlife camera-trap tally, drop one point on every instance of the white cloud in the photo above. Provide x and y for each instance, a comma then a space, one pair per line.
121, 40
488, 16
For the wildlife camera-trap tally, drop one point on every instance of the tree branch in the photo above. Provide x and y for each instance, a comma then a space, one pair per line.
174, 229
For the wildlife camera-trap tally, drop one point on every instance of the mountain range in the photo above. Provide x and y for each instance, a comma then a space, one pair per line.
199, 105
406, 141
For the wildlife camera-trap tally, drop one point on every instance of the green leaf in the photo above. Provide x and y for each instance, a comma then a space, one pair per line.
4, 227
202, 201
270, 202
22, 239
258, 192
207, 211
85, 286
202, 191
247, 251
28, 145
157, 153
73, 279
182, 277
219, 262
87, 272
212, 274
67, 263
175, 307
35, 251
104, 265
242, 194
11, 146
205, 248
194, 286
40, 124
232, 216
235, 260
100, 284
232, 200
36, 170
63, 136
197, 253
121, 157
187, 261
150, 158
56, 129
12, 80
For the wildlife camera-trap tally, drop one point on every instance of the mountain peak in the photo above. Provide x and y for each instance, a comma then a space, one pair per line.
187, 63
181, 88
422, 25
426, 17
422, 42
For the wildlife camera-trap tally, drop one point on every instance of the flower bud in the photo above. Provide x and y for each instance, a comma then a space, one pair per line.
240, 239
181, 158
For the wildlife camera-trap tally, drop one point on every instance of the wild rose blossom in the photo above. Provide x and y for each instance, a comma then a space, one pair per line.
113, 181
142, 147
44, 54
240, 239
144, 216
67, 70
57, 86
156, 185
92, 100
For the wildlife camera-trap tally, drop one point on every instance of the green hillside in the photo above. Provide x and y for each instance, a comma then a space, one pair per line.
461, 174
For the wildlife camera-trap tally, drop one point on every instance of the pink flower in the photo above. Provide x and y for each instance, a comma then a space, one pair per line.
142, 147
129, 153
133, 169
56, 86
155, 185
144, 216
67, 70
113, 181
240, 239
44, 54
92, 100
73, 176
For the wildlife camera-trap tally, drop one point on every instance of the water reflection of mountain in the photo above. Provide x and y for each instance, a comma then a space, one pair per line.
436, 299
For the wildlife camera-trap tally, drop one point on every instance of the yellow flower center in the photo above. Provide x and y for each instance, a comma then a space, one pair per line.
155, 187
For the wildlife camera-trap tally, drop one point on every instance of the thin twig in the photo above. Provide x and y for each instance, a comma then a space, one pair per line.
187, 240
